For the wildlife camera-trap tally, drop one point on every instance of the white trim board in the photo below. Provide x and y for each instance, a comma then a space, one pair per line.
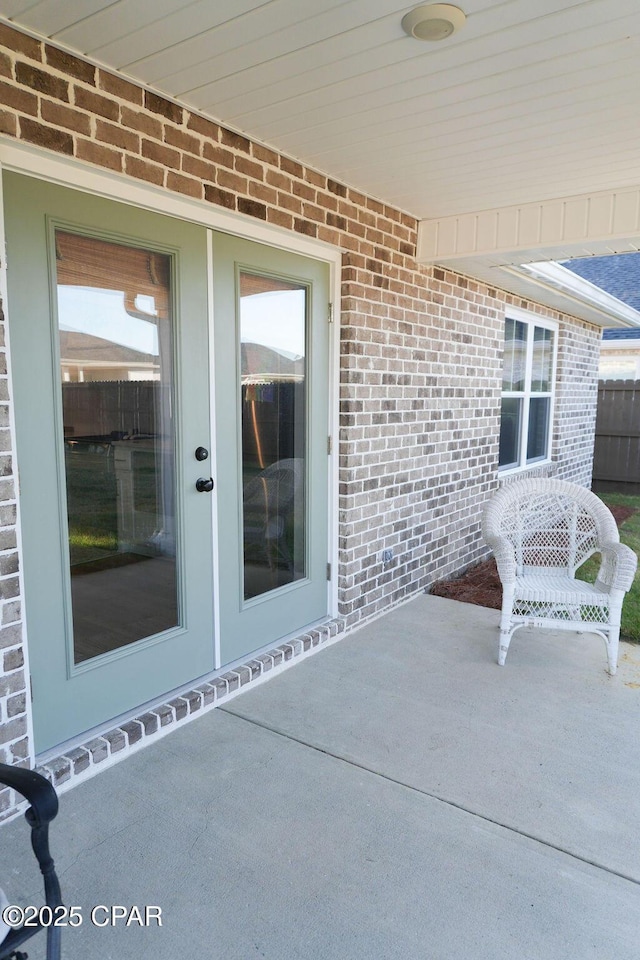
514, 248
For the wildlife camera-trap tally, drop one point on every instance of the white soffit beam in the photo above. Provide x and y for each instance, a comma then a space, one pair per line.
587, 225
495, 246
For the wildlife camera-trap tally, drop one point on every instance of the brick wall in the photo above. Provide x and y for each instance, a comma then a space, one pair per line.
576, 400
421, 348
14, 745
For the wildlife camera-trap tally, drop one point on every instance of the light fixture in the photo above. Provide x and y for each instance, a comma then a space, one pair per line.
433, 21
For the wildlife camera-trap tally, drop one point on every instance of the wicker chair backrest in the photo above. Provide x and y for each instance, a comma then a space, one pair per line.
551, 523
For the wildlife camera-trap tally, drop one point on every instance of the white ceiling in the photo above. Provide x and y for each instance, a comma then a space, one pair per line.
531, 100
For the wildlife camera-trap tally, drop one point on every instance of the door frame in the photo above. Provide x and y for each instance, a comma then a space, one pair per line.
72, 173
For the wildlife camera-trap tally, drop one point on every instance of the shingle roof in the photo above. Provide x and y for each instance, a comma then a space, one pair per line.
625, 333
618, 274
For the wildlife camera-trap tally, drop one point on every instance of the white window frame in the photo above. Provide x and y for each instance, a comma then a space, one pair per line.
532, 320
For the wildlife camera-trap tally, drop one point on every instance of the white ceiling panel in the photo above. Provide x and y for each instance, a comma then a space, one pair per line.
51, 16
506, 60
529, 101
211, 23
265, 37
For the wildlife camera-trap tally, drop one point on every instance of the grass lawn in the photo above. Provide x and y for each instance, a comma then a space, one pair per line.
629, 534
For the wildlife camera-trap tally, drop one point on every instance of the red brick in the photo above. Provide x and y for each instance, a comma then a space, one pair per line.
99, 154
199, 168
314, 213
262, 192
327, 200
303, 190
317, 179
206, 128
186, 185
279, 180
117, 136
46, 136
333, 220
137, 120
36, 79
160, 154
217, 154
280, 218
165, 108
119, 87
338, 188
329, 236
249, 167
17, 99
221, 197
20, 42
65, 117
235, 140
231, 181
96, 103
8, 123
289, 203
181, 140
303, 226
292, 166
67, 63
264, 154
358, 198
252, 208
6, 65
143, 170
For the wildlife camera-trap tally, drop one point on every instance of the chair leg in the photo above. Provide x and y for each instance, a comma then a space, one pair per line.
505, 625
613, 633
613, 642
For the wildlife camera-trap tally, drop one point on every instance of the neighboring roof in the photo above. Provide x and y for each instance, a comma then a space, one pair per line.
621, 334
618, 274
78, 347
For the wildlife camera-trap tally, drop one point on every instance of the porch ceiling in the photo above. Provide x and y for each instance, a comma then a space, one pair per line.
527, 103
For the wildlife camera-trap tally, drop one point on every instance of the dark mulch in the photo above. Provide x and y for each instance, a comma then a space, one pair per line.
481, 584
621, 514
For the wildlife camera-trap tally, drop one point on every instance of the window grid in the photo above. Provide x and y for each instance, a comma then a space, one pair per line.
528, 413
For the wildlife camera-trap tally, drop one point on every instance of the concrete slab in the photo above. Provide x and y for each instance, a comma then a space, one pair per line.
546, 745
256, 846
372, 802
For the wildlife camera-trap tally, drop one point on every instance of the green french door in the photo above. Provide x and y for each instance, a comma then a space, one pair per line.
109, 337
271, 372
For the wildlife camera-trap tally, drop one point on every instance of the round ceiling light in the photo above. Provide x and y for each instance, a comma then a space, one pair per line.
433, 21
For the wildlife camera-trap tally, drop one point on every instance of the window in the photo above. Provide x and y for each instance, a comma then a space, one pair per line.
527, 392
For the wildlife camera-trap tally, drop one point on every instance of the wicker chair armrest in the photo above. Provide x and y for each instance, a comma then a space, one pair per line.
505, 558
618, 567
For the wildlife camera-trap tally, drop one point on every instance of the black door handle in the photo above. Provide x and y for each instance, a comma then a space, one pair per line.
204, 485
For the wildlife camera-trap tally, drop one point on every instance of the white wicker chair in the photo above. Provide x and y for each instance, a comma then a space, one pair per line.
541, 531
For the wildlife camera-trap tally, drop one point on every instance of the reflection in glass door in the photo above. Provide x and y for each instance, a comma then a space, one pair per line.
273, 402
271, 357
115, 342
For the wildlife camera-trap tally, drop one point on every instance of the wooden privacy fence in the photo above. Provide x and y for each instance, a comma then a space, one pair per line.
616, 458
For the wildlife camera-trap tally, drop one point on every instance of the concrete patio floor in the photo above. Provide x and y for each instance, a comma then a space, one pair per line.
397, 795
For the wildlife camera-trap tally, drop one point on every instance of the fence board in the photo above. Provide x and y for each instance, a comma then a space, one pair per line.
616, 456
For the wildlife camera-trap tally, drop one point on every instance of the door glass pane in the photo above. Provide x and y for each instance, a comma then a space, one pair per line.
538, 428
273, 398
509, 432
115, 338
515, 355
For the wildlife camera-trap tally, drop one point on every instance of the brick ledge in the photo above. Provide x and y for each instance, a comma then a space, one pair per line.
114, 744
